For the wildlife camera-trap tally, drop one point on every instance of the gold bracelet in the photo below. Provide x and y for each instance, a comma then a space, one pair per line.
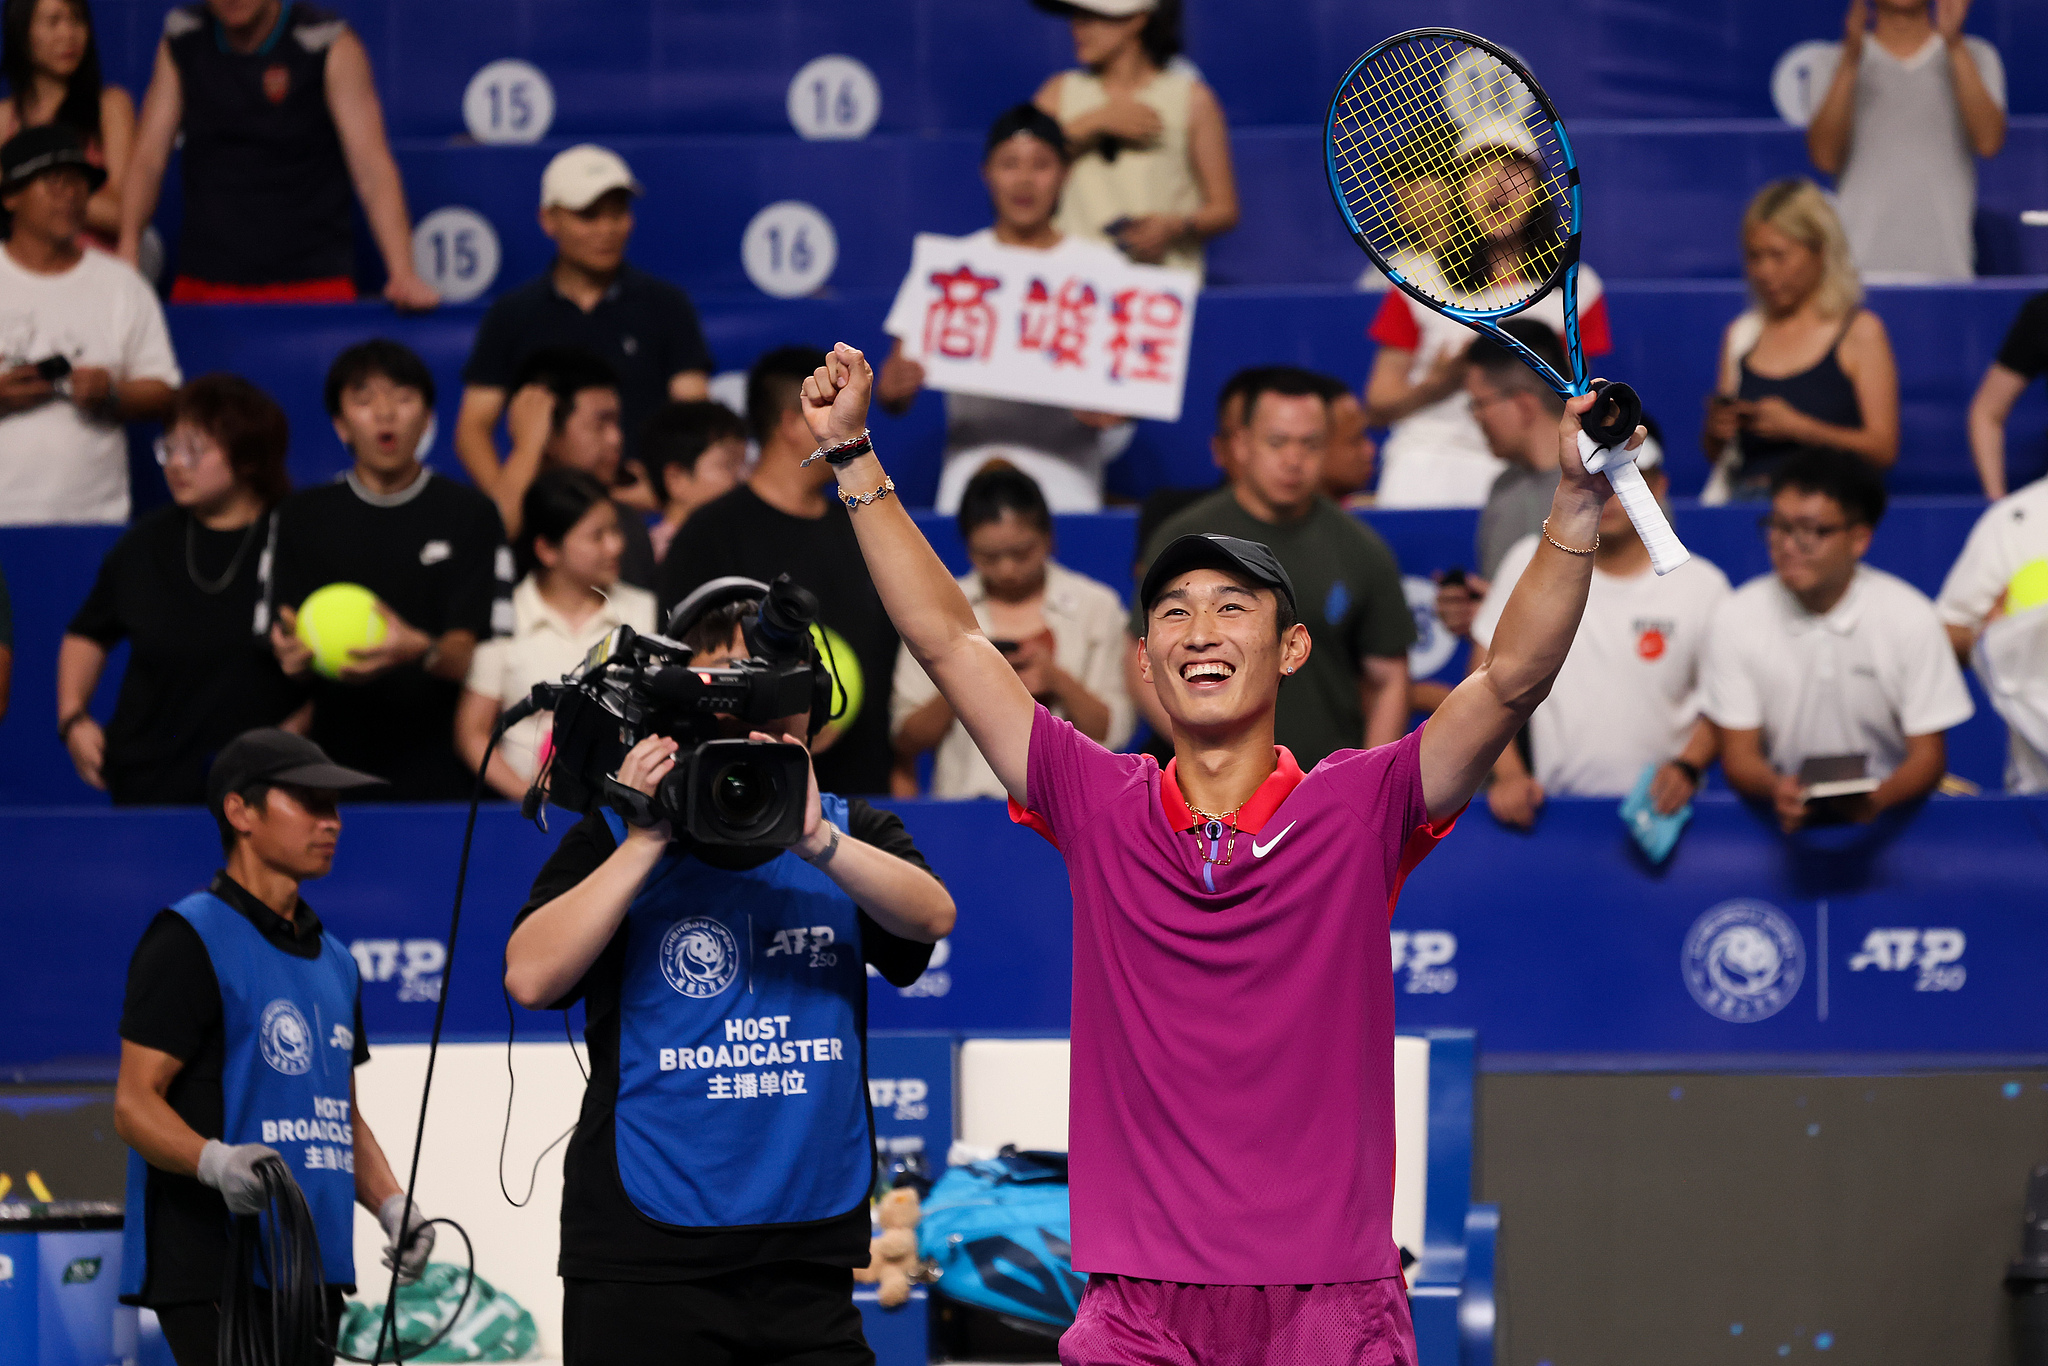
1565, 548
855, 501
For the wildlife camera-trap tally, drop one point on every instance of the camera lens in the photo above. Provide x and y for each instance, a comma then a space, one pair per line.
741, 793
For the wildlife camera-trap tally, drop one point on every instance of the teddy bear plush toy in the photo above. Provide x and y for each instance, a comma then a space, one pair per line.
892, 1253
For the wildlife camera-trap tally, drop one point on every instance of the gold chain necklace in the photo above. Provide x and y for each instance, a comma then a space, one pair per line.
1212, 828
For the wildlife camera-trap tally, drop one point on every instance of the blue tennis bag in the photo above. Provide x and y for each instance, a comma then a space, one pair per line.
1001, 1234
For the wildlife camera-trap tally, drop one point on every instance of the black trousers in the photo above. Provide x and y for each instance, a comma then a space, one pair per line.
192, 1331
780, 1314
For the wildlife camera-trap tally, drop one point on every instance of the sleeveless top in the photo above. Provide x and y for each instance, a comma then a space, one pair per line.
1823, 391
267, 192
284, 1081
1137, 180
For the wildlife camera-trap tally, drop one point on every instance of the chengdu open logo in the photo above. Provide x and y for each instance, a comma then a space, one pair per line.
1743, 961
699, 957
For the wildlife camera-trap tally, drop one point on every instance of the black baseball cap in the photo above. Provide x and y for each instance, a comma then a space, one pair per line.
278, 756
33, 151
1206, 550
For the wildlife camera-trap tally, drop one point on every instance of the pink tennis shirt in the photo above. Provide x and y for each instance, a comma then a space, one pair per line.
1232, 1095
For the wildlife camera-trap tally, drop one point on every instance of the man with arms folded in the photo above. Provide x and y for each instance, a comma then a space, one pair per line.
1826, 657
1231, 1200
1629, 695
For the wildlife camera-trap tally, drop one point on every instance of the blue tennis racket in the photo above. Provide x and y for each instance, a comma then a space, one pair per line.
1454, 174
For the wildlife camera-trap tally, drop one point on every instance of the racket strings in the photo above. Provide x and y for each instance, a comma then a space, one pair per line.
1436, 157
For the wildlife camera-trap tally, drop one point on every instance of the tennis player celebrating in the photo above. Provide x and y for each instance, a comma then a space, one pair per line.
1232, 1113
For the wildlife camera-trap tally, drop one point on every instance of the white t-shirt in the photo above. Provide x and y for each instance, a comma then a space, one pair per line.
542, 647
56, 463
2012, 534
1066, 456
1875, 669
1437, 456
1628, 694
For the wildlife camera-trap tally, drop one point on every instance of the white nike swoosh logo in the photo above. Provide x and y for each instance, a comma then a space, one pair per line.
1261, 850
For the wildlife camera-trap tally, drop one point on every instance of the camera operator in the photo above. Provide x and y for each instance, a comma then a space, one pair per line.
715, 1193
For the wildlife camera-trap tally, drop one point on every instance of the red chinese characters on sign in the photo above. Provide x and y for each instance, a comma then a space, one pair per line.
1147, 324
1057, 323
960, 323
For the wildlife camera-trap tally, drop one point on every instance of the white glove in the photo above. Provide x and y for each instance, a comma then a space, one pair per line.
409, 1252
231, 1170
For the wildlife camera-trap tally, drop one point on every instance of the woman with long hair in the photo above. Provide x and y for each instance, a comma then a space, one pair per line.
51, 59
1151, 151
1479, 234
571, 543
1806, 365
184, 588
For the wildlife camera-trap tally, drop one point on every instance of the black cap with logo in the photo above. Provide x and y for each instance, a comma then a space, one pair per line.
47, 147
1239, 558
278, 756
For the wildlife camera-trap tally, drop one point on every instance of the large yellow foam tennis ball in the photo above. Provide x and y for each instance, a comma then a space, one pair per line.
2028, 589
337, 619
843, 664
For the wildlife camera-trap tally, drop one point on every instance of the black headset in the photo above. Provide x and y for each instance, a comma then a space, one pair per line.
737, 588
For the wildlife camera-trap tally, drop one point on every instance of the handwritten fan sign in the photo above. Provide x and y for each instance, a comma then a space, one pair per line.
1074, 327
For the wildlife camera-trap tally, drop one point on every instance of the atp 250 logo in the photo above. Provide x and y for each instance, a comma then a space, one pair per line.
1933, 955
1425, 956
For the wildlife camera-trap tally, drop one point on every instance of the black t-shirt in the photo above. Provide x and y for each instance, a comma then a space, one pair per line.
644, 327
605, 1237
267, 191
200, 671
173, 1005
2025, 351
741, 534
436, 555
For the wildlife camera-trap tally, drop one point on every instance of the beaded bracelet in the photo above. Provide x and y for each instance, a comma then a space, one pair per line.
836, 455
1569, 550
861, 500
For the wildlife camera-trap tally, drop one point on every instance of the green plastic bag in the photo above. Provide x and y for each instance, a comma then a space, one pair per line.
491, 1327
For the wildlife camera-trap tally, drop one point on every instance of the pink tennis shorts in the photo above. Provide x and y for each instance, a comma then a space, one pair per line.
1125, 1322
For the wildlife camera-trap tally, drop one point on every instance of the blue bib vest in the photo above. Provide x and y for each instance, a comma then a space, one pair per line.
742, 1088
289, 1027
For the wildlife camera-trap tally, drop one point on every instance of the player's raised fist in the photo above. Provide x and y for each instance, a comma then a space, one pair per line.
835, 397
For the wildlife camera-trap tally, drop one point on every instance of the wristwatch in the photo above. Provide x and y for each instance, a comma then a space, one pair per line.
1691, 771
821, 859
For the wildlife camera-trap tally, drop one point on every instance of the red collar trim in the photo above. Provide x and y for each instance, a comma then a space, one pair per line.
1253, 815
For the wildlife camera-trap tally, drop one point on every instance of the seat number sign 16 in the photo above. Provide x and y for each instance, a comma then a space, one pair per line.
834, 98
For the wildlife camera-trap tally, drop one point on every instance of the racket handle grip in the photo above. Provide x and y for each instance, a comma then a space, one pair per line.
1667, 552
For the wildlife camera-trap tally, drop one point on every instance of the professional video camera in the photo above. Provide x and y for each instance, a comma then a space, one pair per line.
722, 790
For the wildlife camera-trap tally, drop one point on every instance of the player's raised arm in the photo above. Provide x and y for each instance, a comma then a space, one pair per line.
929, 610
1536, 628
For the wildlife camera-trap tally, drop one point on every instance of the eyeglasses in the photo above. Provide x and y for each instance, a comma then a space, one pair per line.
190, 454
1804, 536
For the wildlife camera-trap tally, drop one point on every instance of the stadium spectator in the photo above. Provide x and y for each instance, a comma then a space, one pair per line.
1163, 503
183, 587
2002, 573
1628, 695
1517, 412
1826, 657
786, 519
693, 452
432, 550
83, 347
278, 116
564, 415
1347, 466
1435, 453
591, 298
1806, 365
2022, 359
570, 599
1151, 149
1063, 632
1912, 101
1353, 690
1024, 163
51, 58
